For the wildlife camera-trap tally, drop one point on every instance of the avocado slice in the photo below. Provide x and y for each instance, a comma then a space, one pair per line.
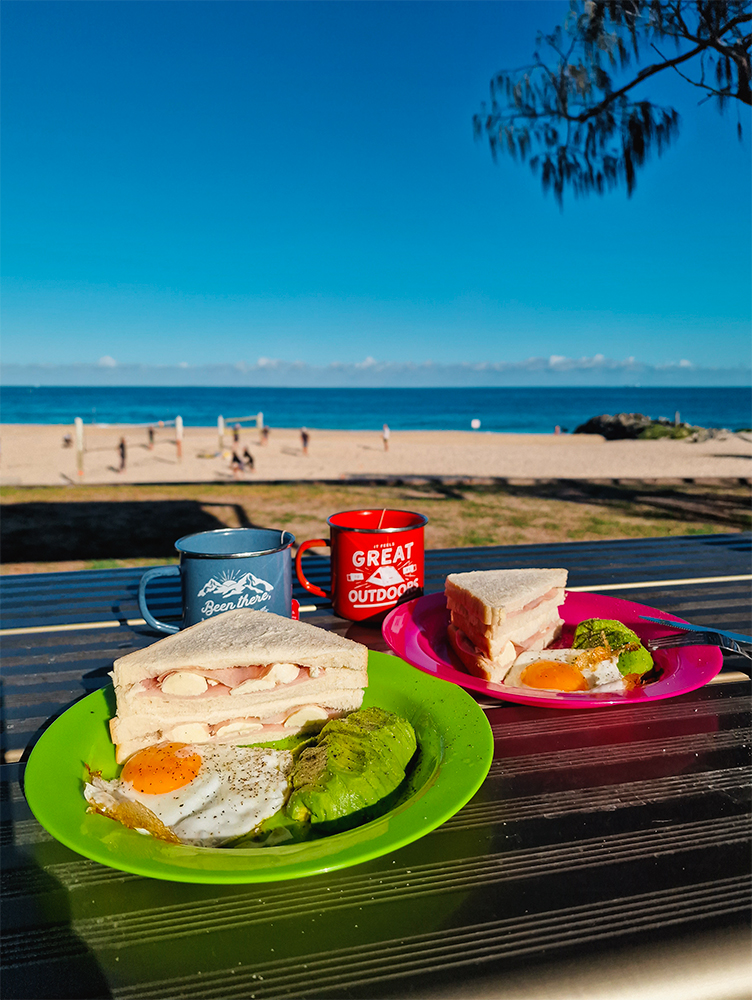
634, 660
633, 657
353, 763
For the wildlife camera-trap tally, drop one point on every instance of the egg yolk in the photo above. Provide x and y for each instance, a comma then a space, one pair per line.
161, 769
553, 676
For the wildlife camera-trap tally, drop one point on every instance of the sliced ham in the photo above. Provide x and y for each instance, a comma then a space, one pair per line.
541, 639
250, 729
555, 594
229, 676
220, 683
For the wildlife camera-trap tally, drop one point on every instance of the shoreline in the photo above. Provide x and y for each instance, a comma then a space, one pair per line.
34, 455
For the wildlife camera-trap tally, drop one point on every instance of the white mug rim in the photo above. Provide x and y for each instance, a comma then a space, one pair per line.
287, 540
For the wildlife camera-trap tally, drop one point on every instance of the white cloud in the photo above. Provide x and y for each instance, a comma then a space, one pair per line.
595, 370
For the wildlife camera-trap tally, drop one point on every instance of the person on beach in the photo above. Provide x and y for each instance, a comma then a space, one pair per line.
248, 459
121, 452
304, 440
150, 433
385, 434
236, 464
236, 433
264, 434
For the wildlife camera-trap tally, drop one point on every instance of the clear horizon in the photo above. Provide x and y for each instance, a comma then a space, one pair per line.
249, 185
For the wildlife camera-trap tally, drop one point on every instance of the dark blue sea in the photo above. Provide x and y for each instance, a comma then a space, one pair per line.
516, 410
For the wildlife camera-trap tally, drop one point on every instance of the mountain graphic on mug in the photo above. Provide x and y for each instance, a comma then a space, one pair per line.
385, 576
229, 585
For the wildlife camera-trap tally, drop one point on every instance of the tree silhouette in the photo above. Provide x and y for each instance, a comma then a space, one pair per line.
581, 130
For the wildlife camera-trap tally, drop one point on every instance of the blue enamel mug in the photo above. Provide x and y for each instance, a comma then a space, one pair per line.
227, 569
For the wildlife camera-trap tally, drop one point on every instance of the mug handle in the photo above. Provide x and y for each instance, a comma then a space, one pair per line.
299, 569
151, 574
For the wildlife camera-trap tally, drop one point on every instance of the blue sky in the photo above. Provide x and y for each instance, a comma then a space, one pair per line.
213, 183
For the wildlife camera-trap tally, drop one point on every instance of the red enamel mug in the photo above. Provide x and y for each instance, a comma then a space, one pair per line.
376, 563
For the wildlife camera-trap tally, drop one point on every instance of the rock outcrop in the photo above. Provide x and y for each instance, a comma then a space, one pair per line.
631, 426
616, 428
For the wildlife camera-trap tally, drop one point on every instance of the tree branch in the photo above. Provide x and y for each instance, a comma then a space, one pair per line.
695, 83
641, 76
712, 41
589, 137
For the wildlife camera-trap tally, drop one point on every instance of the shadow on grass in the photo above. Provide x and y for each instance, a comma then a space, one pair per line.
52, 532
58, 531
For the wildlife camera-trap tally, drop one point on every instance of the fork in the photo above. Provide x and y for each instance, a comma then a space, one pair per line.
709, 638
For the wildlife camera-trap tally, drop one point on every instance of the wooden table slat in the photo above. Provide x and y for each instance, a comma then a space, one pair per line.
602, 845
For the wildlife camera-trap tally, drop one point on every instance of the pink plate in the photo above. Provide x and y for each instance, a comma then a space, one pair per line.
417, 632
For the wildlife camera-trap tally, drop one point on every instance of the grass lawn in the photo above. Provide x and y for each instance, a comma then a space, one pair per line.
89, 527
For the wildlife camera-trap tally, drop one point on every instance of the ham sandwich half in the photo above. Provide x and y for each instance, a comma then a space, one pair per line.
241, 677
497, 614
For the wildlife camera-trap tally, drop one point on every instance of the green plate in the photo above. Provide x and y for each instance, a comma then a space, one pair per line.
455, 747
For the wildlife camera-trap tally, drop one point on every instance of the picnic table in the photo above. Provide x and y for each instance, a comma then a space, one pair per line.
606, 854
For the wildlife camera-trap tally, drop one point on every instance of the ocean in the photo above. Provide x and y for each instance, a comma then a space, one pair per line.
512, 410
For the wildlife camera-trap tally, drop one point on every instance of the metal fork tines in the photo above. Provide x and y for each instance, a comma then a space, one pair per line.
700, 639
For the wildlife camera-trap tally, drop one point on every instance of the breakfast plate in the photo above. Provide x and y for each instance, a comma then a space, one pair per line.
455, 749
417, 632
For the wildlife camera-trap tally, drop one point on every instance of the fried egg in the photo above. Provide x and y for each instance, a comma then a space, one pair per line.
570, 670
197, 794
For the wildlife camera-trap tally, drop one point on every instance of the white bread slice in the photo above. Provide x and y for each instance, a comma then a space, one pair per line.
137, 732
328, 684
542, 639
333, 680
493, 670
240, 638
143, 712
519, 628
550, 601
492, 595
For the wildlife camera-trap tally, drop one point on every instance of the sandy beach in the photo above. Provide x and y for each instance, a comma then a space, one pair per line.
34, 455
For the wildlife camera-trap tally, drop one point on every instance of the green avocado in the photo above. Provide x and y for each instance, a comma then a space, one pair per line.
634, 661
351, 765
633, 657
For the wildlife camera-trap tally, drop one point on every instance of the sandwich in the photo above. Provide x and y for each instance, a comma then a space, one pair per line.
495, 615
241, 677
